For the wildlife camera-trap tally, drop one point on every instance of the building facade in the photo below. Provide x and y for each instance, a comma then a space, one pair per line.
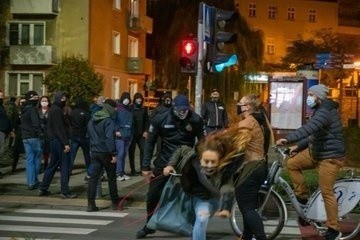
111, 34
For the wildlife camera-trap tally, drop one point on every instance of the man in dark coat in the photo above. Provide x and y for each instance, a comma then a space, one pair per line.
101, 131
5, 126
214, 113
31, 132
178, 126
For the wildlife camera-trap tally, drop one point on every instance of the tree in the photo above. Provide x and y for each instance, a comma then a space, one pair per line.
76, 77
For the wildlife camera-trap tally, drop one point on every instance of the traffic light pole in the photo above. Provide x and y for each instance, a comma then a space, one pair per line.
201, 54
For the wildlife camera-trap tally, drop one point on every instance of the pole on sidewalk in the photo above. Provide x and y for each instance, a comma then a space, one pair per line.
201, 53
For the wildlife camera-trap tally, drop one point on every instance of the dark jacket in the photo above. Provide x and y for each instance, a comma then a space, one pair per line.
124, 121
79, 118
57, 126
5, 126
30, 122
221, 184
214, 114
323, 133
141, 120
101, 131
173, 133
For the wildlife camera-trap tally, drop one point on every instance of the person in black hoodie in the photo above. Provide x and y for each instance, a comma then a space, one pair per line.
79, 118
58, 133
101, 131
31, 133
141, 124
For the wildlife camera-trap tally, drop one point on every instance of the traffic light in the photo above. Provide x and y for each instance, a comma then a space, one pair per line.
217, 60
189, 54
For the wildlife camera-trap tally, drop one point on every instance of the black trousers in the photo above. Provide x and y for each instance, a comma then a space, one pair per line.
98, 162
247, 200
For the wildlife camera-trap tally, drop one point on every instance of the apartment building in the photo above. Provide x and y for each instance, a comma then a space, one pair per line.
111, 34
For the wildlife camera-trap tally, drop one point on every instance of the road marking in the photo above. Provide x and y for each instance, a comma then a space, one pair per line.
67, 230
54, 220
68, 212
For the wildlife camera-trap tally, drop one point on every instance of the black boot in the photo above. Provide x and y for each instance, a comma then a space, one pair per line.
92, 206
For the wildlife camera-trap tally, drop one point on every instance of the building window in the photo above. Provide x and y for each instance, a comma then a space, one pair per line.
252, 10
291, 14
117, 4
134, 8
116, 42
115, 87
133, 47
19, 83
27, 33
312, 15
272, 12
270, 46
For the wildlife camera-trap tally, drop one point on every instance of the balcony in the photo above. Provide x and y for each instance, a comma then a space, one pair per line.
137, 65
31, 55
142, 24
38, 7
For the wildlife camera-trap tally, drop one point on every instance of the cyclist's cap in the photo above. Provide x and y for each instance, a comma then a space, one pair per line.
181, 102
319, 90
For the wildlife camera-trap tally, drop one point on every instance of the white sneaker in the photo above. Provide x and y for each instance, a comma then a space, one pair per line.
120, 178
126, 177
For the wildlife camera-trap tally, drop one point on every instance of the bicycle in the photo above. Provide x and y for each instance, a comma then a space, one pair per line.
274, 213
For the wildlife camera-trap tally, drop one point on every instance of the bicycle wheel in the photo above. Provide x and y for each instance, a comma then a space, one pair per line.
350, 224
273, 215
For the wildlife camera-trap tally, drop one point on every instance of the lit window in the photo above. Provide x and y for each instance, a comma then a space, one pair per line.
116, 42
252, 10
133, 47
272, 12
312, 15
134, 8
27, 33
291, 13
117, 4
270, 46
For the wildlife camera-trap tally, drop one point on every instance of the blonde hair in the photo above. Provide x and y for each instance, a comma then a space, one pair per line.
253, 100
227, 143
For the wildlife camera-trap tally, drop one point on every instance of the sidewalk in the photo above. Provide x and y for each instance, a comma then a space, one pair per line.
14, 189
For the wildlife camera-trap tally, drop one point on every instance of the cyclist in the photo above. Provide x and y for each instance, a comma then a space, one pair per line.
319, 144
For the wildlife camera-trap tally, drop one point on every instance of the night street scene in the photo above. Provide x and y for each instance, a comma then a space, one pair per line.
180, 119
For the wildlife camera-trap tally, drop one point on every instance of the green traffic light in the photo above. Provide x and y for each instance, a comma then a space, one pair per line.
231, 61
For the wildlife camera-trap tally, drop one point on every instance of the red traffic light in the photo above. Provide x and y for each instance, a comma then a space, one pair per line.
189, 47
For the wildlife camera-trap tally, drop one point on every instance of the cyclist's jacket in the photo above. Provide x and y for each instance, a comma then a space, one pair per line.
173, 133
194, 182
323, 133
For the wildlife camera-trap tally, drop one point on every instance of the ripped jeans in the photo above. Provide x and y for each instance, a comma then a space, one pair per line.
204, 209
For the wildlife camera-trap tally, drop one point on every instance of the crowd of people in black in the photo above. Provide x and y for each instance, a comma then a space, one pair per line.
221, 162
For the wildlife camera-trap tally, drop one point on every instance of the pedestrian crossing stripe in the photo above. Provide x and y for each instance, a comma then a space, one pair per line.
67, 230
71, 212
54, 220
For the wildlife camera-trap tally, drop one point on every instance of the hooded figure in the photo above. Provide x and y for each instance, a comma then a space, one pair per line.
125, 99
101, 130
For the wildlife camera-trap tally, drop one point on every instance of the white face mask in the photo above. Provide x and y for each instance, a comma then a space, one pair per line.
44, 104
310, 101
126, 101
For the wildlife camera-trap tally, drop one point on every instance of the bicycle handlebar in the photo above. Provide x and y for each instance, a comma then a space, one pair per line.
283, 151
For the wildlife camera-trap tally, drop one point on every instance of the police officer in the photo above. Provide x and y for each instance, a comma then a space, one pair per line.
177, 126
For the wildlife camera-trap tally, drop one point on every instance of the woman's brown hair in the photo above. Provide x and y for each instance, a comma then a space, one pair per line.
227, 143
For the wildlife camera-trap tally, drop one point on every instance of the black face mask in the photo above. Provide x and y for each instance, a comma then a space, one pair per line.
62, 104
1, 101
238, 109
34, 102
167, 102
